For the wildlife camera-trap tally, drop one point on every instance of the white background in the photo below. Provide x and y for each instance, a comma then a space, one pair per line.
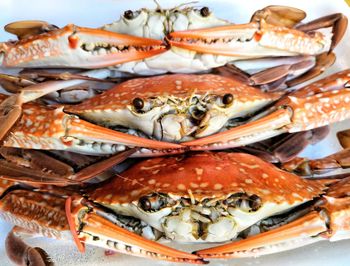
94, 13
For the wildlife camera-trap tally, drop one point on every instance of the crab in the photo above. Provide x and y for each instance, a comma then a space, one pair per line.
203, 112
199, 197
145, 41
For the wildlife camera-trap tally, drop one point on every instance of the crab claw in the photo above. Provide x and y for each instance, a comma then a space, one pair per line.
329, 219
42, 127
251, 40
78, 47
319, 104
92, 227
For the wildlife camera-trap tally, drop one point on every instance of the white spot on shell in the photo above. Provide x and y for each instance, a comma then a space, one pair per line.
181, 187
218, 186
151, 181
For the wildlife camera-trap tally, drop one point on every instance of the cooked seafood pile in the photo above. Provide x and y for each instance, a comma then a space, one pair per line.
85, 100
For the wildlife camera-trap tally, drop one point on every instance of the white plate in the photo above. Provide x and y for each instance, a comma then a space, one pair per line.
94, 13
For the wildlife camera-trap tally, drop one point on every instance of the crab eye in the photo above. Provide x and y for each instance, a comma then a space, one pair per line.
138, 103
227, 99
254, 202
145, 204
155, 202
128, 14
205, 11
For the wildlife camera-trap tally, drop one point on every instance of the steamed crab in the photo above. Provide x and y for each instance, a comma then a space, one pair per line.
202, 197
203, 112
193, 39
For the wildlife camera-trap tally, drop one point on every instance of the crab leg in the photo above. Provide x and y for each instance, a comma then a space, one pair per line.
332, 165
329, 220
344, 138
265, 72
284, 148
36, 167
323, 62
77, 47
317, 105
91, 225
38, 90
279, 15
22, 254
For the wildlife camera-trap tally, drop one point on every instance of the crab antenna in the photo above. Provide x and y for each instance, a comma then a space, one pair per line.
184, 4
157, 4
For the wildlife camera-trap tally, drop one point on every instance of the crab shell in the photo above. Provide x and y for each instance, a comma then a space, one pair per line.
202, 178
169, 101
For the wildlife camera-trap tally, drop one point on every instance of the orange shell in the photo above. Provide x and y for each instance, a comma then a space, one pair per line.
178, 85
208, 175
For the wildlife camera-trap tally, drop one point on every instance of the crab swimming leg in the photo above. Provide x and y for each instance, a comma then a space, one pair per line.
36, 168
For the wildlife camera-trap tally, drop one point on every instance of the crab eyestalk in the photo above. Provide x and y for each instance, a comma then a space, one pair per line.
78, 47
